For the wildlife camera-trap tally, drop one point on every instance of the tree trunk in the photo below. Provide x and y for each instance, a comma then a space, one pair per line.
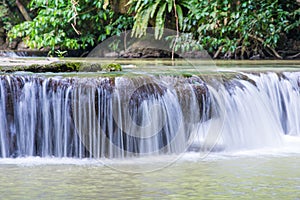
119, 6
23, 11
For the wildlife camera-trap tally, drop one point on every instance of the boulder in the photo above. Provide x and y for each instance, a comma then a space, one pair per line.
22, 46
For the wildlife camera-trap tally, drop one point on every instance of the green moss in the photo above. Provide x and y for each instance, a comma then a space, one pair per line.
75, 66
61, 67
187, 75
52, 67
111, 67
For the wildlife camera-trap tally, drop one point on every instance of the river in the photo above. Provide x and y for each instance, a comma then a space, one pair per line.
216, 177
230, 132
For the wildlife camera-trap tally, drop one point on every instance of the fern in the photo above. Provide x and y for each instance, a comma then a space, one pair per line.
160, 20
157, 10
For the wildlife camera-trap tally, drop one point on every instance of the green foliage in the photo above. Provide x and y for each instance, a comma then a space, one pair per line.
4, 14
223, 26
70, 24
228, 27
154, 10
232, 25
8, 18
60, 53
52, 67
184, 43
111, 67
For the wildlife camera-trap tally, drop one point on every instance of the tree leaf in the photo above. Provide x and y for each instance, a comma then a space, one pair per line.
138, 5
170, 5
154, 9
180, 15
159, 23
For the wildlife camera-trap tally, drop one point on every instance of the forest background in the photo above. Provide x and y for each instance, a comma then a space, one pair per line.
227, 29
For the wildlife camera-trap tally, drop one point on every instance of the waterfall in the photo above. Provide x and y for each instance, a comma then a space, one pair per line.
117, 117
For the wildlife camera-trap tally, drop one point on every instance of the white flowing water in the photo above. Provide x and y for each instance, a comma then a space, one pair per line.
241, 134
147, 115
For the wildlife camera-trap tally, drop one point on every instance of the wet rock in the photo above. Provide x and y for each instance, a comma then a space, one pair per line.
195, 54
147, 47
90, 67
13, 44
146, 53
255, 57
22, 46
2, 36
40, 68
202, 147
111, 55
146, 92
54, 65
245, 78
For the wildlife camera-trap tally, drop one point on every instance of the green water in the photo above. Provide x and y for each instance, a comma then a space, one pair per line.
263, 177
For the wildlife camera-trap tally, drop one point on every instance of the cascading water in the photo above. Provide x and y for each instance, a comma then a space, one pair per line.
145, 115
96, 117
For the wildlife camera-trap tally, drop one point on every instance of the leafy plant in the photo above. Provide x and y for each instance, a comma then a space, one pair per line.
157, 10
226, 28
3, 13
231, 28
70, 24
8, 18
237, 28
60, 53
185, 43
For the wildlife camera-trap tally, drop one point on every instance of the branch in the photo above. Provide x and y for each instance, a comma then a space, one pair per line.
218, 52
23, 11
262, 41
74, 28
177, 30
74, 17
294, 56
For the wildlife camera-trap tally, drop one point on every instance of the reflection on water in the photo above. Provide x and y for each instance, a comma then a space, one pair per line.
232, 178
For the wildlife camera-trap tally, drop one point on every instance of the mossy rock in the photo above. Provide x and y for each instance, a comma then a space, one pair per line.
41, 68
59, 66
112, 67
187, 75
56, 67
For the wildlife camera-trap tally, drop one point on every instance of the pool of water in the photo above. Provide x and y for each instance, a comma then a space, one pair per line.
190, 177
256, 174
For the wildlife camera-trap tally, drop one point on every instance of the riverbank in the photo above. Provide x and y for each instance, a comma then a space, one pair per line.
8, 65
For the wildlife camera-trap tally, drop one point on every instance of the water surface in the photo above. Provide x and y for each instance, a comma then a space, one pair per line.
251, 174
259, 177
